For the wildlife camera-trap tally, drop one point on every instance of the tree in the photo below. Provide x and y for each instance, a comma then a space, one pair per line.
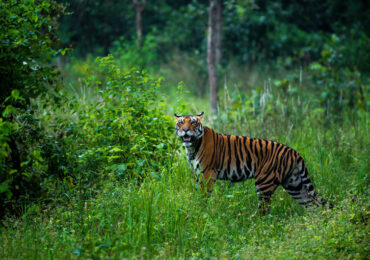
139, 6
214, 53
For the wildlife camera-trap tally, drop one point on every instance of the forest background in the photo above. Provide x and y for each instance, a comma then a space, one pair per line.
89, 162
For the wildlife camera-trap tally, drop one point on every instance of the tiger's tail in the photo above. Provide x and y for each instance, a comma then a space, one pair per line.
299, 186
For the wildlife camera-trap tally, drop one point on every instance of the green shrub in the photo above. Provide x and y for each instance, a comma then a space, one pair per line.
126, 131
27, 46
128, 55
71, 142
33, 161
28, 39
337, 76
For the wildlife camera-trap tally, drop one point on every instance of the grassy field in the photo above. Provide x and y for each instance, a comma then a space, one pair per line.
167, 217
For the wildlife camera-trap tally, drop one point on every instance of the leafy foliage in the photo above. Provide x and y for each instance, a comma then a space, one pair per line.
126, 130
27, 33
99, 24
341, 84
254, 31
28, 39
124, 134
128, 55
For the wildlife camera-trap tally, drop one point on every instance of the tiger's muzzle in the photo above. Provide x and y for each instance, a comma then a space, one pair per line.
188, 140
187, 137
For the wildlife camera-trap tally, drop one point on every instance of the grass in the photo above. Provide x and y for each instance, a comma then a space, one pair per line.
167, 216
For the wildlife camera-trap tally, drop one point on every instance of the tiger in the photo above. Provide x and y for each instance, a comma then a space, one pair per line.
237, 158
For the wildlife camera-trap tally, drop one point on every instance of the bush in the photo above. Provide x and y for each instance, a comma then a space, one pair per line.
126, 131
28, 39
128, 55
336, 74
27, 45
74, 142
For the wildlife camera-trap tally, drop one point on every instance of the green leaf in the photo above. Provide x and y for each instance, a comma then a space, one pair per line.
37, 155
4, 187
15, 93
13, 171
8, 110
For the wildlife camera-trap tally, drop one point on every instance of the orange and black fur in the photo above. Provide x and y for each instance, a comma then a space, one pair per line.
237, 158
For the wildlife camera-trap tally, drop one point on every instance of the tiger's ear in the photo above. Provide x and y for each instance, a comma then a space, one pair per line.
200, 116
177, 117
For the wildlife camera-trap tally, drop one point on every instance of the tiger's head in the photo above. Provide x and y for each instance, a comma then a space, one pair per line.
189, 128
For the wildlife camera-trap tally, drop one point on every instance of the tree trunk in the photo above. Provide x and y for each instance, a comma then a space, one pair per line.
214, 54
139, 6
218, 33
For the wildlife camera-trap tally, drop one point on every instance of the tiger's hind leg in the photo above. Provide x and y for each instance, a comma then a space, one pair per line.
264, 193
300, 187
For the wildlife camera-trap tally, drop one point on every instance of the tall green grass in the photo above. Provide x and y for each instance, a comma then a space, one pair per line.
168, 217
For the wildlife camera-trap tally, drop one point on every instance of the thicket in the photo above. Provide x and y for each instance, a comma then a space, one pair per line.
71, 142
124, 133
27, 46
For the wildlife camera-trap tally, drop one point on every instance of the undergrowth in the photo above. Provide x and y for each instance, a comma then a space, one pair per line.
166, 216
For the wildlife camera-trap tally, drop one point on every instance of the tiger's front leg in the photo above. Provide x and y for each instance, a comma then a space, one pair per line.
209, 178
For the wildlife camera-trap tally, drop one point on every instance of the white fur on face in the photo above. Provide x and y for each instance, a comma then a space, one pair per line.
181, 133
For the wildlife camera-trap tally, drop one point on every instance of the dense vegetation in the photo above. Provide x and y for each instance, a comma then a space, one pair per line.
90, 165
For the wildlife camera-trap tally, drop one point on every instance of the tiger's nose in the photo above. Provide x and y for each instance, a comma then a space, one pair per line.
186, 129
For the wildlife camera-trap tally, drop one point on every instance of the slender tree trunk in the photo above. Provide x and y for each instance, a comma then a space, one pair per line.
218, 33
214, 54
139, 6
